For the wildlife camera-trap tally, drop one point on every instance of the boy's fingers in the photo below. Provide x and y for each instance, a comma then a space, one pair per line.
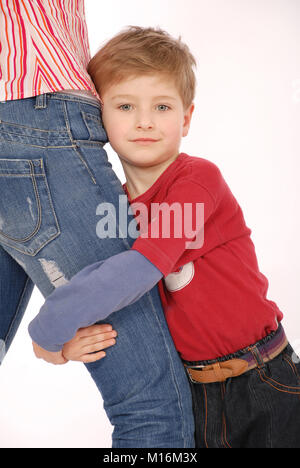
92, 357
93, 330
98, 346
96, 349
89, 340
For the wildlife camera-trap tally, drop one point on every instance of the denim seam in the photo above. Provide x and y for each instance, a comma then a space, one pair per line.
23, 135
19, 175
287, 358
262, 400
68, 126
41, 146
34, 146
76, 148
224, 427
62, 146
206, 415
91, 119
26, 126
65, 97
291, 390
17, 310
50, 199
173, 373
31, 254
29, 128
87, 115
90, 143
38, 225
33, 175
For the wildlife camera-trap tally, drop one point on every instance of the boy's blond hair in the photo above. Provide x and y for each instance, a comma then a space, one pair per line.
137, 51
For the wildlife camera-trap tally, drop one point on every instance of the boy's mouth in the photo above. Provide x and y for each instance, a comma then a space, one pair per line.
145, 140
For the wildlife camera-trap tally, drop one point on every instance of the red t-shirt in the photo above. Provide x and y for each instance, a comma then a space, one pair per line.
214, 296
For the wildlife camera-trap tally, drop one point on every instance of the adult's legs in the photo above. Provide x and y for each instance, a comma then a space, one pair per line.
15, 291
54, 174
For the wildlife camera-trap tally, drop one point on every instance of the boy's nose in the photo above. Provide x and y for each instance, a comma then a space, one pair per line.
145, 126
144, 122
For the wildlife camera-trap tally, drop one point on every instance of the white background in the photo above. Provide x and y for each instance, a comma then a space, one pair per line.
247, 121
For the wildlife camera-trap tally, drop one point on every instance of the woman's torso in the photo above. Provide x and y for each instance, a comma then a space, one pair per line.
43, 48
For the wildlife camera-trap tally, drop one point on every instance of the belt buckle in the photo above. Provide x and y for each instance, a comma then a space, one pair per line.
193, 367
220, 371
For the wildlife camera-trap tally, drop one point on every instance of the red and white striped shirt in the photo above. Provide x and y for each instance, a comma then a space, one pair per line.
43, 48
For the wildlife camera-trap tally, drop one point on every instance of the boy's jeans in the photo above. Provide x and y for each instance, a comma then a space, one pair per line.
258, 409
54, 173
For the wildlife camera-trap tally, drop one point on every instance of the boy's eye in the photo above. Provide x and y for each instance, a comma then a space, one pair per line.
163, 107
128, 107
125, 107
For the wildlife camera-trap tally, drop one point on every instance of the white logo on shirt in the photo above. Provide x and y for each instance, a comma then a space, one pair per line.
177, 281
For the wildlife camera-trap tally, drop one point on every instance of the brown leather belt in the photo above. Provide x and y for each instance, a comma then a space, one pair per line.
249, 358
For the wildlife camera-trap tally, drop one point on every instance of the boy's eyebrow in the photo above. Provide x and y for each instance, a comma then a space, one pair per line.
130, 96
165, 97
121, 96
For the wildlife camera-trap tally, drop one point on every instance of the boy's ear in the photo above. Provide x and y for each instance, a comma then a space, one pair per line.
187, 119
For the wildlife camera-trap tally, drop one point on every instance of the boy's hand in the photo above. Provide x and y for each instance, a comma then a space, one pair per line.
87, 340
54, 358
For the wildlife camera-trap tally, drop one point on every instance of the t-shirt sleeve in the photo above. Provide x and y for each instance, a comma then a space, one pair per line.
92, 295
176, 225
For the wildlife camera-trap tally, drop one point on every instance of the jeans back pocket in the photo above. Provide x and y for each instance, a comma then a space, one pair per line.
27, 217
95, 127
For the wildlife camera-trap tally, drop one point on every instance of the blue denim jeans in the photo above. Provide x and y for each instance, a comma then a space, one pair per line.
54, 173
259, 409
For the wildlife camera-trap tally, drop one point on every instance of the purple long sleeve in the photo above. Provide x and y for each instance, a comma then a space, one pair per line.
91, 296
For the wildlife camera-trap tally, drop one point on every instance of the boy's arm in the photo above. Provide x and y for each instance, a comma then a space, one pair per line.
108, 286
94, 293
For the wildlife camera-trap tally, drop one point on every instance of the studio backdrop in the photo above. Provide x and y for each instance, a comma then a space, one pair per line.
247, 121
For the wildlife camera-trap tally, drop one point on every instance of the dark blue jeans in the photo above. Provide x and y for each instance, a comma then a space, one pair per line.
54, 173
259, 409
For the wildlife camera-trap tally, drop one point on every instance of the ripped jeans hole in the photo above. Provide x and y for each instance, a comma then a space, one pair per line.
51, 269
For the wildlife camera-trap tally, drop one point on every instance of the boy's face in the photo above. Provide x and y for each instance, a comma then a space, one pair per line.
145, 120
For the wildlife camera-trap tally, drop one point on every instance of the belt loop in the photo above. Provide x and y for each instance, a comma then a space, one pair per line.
257, 356
41, 101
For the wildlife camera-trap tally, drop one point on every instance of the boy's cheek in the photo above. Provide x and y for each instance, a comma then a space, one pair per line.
112, 129
115, 138
174, 135
117, 142
106, 120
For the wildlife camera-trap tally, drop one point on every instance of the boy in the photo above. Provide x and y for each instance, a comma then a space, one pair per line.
244, 382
